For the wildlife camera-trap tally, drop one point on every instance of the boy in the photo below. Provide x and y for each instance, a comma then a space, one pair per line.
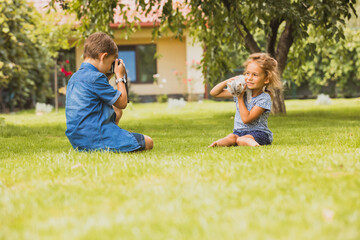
90, 117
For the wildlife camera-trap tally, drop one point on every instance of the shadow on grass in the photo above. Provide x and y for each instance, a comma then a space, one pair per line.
32, 139
316, 119
25, 131
349, 114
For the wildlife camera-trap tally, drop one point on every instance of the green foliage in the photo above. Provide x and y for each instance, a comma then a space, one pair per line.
304, 186
28, 41
23, 63
95, 15
225, 27
324, 61
334, 63
162, 98
229, 26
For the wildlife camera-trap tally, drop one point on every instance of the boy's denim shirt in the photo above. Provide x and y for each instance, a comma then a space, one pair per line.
90, 118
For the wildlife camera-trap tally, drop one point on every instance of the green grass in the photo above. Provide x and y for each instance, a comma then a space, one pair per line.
304, 186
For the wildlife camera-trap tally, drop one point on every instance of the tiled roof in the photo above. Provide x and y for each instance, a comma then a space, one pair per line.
145, 21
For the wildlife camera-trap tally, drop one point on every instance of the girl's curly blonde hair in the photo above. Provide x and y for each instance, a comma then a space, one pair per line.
270, 67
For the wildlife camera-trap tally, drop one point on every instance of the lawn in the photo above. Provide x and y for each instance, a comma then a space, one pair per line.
306, 185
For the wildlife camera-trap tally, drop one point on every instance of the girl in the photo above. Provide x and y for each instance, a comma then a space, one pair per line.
250, 123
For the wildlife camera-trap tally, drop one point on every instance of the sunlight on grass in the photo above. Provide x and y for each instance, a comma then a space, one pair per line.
304, 186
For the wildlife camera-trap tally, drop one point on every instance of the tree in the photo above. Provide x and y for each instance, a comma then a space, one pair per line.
225, 26
334, 67
28, 45
19, 74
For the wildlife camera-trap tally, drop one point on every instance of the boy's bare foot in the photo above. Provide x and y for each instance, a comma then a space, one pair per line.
214, 144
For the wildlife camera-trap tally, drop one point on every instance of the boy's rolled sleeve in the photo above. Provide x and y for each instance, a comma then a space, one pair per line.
118, 94
105, 91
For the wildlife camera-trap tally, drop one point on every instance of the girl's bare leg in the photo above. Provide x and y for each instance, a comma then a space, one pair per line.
247, 140
229, 140
118, 113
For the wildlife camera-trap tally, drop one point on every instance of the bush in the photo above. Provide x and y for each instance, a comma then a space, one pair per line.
162, 98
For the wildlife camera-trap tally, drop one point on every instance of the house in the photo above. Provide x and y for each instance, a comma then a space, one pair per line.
173, 73
165, 66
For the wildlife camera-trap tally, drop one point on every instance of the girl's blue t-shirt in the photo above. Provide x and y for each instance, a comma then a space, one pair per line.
90, 118
261, 124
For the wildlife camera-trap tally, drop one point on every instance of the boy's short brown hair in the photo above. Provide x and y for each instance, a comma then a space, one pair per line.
97, 43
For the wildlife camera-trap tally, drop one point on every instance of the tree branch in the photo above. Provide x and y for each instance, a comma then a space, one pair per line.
250, 43
227, 4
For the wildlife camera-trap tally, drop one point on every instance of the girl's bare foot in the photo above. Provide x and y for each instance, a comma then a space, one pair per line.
214, 144
252, 143
246, 141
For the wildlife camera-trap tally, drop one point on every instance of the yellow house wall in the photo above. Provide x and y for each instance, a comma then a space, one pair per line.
172, 58
79, 50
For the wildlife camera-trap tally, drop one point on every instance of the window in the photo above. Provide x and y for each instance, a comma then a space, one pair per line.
140, 62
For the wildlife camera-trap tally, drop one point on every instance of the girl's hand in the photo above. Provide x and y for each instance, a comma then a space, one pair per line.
230, 80
219, 90
243, 91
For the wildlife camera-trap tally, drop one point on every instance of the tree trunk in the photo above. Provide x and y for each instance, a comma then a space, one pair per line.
278, 103
283, 47
2, 105
271, 39
285, 41
56, 88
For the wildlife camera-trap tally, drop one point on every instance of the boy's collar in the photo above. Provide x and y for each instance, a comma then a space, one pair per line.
88, 65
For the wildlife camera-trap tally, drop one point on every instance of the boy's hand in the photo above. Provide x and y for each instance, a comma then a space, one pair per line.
119, 68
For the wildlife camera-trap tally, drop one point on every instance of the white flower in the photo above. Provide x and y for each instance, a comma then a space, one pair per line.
328, 215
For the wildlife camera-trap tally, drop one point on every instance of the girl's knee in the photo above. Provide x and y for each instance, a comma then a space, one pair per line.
232, 136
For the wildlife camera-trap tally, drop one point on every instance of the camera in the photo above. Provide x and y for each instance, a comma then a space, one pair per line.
112, 69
